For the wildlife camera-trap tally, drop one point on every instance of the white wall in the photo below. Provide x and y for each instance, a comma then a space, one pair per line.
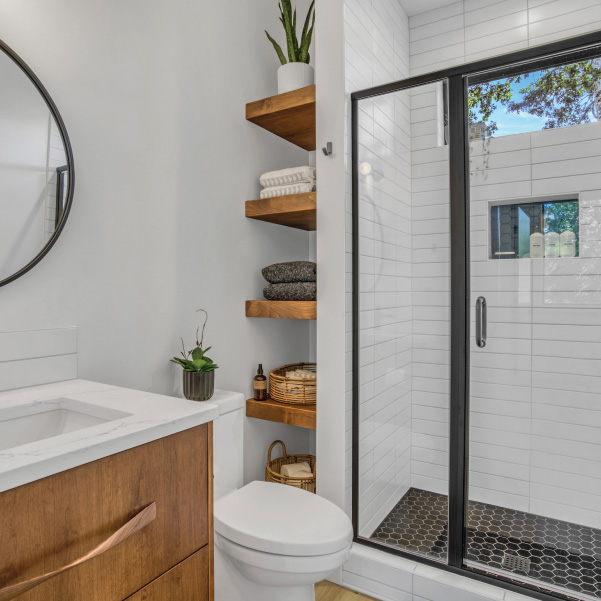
332, 434
153, 96
23, 160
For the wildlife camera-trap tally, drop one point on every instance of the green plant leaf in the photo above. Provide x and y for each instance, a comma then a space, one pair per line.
306, 43
198, 364
278, 49
286, 10
307, 21
294, 36
197, 353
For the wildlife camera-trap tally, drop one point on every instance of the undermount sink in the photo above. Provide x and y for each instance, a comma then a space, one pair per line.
41, 420
52, 428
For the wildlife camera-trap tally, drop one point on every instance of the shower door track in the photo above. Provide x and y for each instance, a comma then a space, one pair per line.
548, 55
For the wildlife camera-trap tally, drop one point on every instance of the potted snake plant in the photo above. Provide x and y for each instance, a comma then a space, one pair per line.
199, 370
295, 72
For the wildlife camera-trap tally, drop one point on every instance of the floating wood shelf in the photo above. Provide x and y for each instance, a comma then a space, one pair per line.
273, 411
294, 210
282, 309
290, 116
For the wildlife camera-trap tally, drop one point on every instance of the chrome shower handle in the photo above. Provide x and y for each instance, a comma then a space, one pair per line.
481, 322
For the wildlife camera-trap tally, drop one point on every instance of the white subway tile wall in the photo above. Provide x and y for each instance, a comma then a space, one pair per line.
35, 357
475, 29
56, 157
535, 419
377, 51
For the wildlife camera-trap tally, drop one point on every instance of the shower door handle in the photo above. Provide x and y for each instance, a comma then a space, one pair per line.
481, 319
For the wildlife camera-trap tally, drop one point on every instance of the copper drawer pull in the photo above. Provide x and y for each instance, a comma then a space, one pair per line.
139, 521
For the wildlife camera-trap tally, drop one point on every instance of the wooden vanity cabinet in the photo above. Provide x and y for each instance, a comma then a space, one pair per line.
52, 522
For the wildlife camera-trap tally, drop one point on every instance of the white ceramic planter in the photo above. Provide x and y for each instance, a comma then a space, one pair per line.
293, 76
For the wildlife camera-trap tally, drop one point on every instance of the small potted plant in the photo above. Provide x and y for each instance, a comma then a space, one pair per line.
295, 72
199, 370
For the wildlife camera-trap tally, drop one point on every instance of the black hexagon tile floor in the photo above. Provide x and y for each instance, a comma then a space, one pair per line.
504, 541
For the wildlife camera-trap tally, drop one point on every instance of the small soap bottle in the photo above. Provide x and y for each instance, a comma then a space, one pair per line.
260, 385
537, 246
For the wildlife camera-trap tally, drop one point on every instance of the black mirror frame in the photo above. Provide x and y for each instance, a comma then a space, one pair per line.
68, 151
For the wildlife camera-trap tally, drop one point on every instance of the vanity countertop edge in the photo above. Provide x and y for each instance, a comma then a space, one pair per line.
151, 417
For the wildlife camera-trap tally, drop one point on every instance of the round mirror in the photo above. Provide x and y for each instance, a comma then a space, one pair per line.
36, 169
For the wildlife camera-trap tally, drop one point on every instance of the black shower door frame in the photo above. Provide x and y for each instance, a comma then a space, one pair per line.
578, 48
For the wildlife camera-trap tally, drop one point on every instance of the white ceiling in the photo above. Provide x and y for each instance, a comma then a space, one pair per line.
415, 7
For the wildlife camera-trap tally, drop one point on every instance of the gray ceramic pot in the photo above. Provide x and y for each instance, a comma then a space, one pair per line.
199, 385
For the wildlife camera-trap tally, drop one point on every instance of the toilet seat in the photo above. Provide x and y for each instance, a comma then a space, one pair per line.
279, 520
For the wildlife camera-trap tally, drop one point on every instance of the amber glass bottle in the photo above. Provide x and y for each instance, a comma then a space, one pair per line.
260, 385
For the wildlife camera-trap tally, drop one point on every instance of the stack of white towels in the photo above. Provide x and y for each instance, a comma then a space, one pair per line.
295, 180
297, 470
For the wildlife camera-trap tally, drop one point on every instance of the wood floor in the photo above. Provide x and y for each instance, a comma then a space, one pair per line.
326, 591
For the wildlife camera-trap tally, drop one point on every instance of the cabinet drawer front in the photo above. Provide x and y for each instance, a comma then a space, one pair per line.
49, 523
188, 581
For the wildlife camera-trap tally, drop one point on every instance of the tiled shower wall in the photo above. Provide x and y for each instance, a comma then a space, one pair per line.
535, 442
535, 419
431, 301
377, 51
536, 386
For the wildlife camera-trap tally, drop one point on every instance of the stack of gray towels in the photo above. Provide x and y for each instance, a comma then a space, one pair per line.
293, 281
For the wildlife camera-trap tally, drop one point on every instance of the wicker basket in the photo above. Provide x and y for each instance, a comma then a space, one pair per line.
273, 468
296, 391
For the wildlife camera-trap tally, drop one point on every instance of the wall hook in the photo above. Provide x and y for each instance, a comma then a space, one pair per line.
327, 149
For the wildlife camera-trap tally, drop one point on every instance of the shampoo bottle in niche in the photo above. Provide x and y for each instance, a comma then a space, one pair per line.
537, 246
551, 244
260, 385
567, 244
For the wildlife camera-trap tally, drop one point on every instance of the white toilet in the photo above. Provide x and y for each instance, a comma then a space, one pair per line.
272, 542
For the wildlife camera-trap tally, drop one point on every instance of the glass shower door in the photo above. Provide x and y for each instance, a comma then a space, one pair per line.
402, 271
534, 510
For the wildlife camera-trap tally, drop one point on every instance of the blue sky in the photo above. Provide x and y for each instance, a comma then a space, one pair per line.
510, 123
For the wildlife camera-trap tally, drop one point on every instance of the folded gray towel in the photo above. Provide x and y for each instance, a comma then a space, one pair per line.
294, 271
291, 291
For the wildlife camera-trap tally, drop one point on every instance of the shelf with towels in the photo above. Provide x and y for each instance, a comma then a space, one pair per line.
295, 210
290, 116
284, 413
282, 309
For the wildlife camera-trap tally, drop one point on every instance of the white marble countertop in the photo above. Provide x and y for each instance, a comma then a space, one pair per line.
136, 418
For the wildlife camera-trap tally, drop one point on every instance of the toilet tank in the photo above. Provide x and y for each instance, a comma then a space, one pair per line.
228, 442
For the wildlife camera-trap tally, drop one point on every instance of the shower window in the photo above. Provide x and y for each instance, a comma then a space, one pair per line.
476, 378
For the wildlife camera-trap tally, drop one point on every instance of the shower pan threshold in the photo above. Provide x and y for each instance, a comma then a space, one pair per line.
564, 557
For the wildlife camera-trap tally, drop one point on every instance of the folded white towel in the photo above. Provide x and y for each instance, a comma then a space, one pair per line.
284, 177
297, 470
286, 190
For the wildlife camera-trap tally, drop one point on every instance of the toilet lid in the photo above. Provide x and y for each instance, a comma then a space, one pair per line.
284, 520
